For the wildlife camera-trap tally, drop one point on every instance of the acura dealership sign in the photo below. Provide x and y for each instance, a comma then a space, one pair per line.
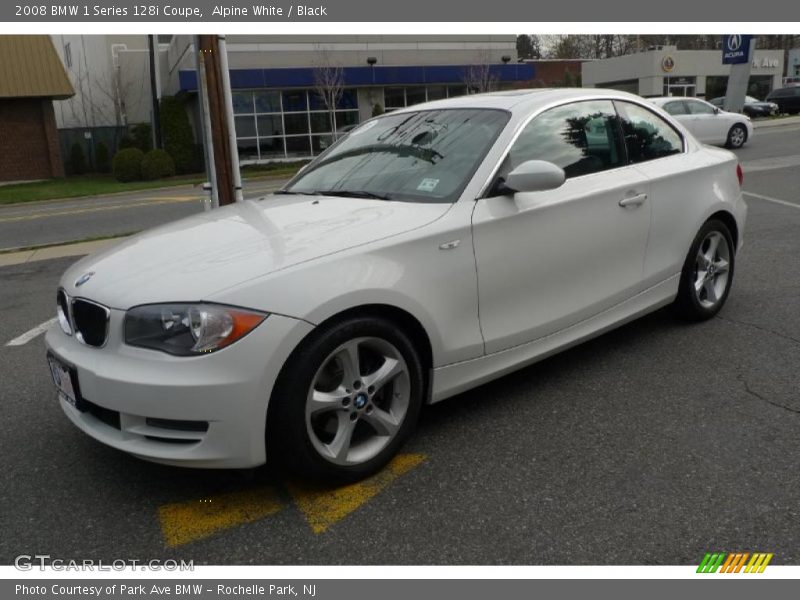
735, 49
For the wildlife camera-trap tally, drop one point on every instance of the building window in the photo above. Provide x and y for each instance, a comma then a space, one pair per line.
679, 86
400, 97
758, 86
279, 124
626, 85
68, 55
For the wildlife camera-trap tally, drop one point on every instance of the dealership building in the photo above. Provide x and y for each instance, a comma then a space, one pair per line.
667, 71
278, 114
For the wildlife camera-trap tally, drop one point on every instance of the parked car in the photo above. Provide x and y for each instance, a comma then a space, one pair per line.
432, 250
753, 107
708, 123
787, 99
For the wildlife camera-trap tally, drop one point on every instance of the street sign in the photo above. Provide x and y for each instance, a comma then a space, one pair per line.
736, 49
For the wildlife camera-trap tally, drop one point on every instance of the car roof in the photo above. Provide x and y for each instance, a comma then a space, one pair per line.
522, 100
663, 99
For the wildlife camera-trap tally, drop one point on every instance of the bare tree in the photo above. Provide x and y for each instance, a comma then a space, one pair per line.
107, 104
329, 84
479, 76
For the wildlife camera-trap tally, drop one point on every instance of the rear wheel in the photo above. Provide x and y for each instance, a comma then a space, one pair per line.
737, 136
707, 273
347, 400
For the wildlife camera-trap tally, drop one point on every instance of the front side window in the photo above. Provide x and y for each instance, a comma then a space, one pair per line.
700, 108
647, 136
676, 108
423, 156
581, 138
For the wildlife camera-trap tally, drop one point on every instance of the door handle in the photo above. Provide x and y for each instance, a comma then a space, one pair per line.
633, 200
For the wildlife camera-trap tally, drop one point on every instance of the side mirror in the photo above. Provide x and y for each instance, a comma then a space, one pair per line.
535, 176
717, 110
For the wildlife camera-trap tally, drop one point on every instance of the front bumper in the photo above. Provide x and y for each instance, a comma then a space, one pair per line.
141, 394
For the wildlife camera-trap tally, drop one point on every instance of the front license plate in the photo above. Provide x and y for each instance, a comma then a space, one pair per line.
63, 378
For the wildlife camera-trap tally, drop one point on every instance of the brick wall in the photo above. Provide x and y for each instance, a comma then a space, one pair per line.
28, 140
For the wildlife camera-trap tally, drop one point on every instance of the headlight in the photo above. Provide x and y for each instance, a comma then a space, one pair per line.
188, 329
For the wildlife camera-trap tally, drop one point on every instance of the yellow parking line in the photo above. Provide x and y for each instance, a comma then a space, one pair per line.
159, 200
324, 507
185, 522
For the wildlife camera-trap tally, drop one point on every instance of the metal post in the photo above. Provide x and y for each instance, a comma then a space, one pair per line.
154, 92
225, 80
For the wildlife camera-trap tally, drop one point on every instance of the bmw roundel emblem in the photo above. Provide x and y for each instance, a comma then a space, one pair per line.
84, 278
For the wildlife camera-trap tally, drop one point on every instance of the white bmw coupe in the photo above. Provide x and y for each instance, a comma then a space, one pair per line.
429, 251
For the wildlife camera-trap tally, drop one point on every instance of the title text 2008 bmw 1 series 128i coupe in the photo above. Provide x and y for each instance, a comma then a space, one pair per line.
429, 251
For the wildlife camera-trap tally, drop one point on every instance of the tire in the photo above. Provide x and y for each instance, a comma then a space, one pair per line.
713, 241
737, 136
323, 427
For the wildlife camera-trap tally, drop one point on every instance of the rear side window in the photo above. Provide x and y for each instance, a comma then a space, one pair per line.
647, 136
581, 138
676, 108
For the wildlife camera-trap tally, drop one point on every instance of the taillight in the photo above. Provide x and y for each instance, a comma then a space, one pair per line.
740, 175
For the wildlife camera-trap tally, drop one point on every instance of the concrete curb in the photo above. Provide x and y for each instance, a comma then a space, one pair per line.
51, 252
195, 187
776, 122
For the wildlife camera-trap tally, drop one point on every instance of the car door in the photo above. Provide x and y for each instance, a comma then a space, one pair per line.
658, 150
547, 260
708, 124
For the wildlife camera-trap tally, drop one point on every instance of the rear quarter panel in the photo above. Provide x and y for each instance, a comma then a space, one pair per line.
686, 190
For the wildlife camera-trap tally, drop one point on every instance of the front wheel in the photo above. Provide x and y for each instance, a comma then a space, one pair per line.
707, 273
737, 136
347, 400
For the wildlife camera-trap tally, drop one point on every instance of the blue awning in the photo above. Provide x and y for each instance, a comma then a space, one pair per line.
363, 76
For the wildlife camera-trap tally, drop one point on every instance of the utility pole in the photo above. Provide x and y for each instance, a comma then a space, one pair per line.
205, 122
155, 91
219, 125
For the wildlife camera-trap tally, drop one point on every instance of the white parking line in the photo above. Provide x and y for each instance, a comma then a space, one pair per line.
775, 200
29, 335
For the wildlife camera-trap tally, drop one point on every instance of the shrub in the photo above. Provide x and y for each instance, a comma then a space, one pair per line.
77, 159
128, 164
157, 164
377, 110
142, 135
126, 142
177, 136
101, 158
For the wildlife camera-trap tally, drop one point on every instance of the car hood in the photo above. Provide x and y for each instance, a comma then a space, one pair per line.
191, 259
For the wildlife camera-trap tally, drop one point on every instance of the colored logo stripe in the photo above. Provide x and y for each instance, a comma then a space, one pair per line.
758, 563
734, 562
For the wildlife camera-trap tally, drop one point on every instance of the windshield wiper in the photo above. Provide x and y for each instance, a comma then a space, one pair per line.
354, 194
294, 193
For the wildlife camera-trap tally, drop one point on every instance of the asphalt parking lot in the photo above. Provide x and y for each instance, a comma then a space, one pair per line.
652, 444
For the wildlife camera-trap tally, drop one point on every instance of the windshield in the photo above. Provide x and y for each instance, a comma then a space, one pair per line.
424, 156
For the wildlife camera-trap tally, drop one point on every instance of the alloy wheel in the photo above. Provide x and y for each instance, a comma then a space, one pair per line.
357, 401
712, 268
737, 137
